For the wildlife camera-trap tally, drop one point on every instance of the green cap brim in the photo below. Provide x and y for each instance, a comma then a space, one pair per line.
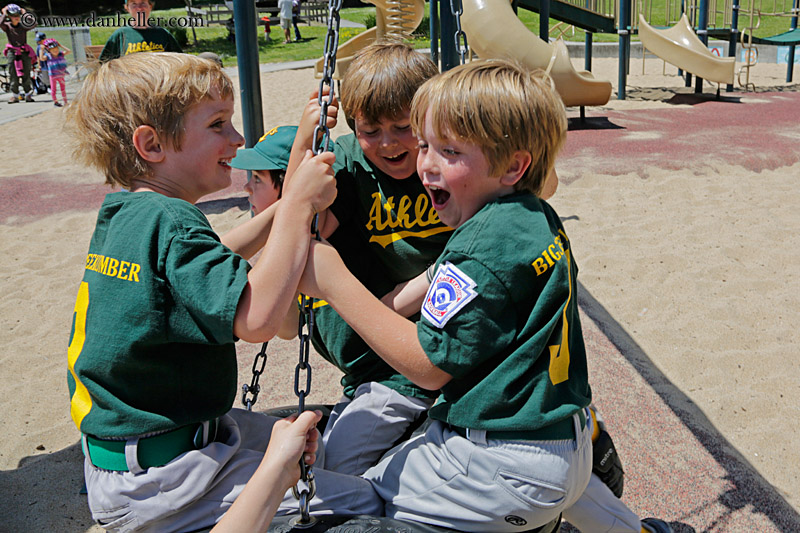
250, 159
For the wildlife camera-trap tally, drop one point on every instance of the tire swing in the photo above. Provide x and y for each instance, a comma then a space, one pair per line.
304, 522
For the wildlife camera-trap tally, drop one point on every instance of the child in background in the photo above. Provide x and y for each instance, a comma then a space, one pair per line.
267, 29
267, 160
56, 67
40, 50
152, 360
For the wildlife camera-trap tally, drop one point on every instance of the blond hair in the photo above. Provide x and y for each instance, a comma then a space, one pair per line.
503, 108
156, 90
381, 81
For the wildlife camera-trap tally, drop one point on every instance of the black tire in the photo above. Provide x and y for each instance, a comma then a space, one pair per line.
373, 524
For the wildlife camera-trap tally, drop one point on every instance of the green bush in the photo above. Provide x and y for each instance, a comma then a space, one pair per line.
423, 31
369, 20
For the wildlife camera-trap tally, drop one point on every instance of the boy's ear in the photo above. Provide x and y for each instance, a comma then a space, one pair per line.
147, 144
520, 161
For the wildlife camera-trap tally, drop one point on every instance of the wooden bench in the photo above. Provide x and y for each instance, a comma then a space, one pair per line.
92, 51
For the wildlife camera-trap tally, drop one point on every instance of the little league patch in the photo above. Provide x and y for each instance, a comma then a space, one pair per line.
450, 291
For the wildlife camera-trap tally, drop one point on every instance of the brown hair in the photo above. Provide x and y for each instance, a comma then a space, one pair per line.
154, 89
381, 81
503, 108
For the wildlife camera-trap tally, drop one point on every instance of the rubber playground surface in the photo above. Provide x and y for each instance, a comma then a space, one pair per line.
679, 467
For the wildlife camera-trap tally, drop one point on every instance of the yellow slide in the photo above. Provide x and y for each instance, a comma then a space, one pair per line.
395, 19
494, 31
680, 46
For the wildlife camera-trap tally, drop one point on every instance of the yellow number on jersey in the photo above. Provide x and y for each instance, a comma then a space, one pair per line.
81, 402
559, 353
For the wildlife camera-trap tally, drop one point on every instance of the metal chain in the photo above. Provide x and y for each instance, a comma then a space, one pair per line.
254, 388
305, 329
322, 142
459, 34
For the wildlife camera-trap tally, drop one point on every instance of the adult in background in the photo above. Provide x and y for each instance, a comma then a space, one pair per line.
18, 52
141, 37
285, 8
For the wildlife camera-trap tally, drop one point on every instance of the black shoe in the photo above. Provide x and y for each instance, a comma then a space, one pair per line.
56, 104
29, 98
654, 525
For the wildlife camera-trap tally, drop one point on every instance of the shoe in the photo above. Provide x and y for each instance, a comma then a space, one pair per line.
28, 98
654, 525
14, 99
56, 104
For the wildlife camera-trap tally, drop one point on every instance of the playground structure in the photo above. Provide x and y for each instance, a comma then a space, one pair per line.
680, 46
789, 38
717, 18
494, 30
684, 44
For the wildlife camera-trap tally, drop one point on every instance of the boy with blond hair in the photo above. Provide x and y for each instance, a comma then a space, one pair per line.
151, 360
509, 447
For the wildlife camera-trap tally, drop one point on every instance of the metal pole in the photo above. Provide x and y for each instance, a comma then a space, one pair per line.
447, 25
733, 38
790, 58
702, 33
434, 20
623, 29
587, 54
244, 19
544, 20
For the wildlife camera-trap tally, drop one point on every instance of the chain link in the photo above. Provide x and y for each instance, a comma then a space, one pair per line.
457, 11
254, 388
305, 330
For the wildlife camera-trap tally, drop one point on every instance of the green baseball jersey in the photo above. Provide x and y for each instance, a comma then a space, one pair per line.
128, 40
152, 344
338, 343
501, 317
394, 217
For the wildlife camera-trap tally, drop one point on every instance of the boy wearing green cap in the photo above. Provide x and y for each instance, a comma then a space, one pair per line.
267, 160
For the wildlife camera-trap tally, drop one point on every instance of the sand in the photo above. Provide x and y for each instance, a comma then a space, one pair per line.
696, 261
